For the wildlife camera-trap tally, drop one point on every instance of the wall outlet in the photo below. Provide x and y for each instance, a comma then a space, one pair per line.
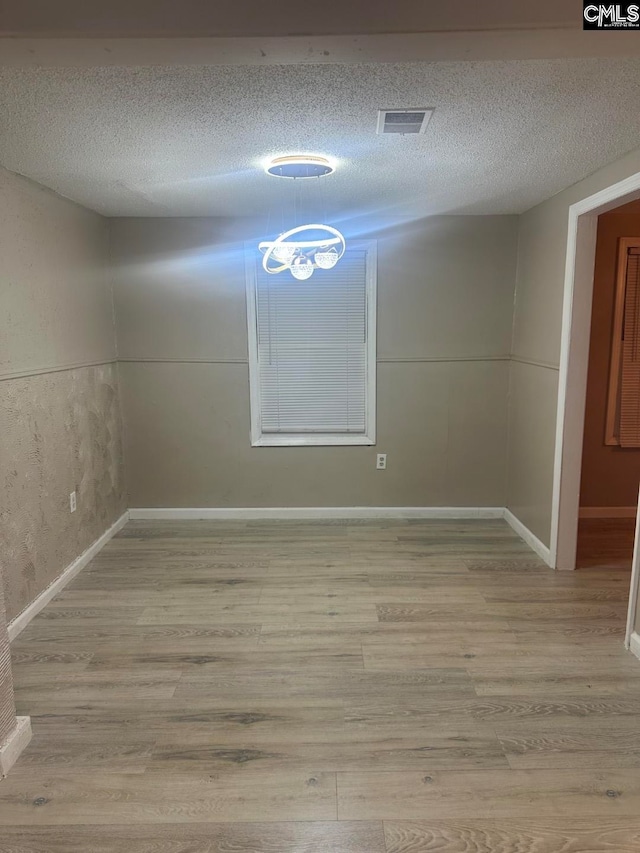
381, 461
72, 502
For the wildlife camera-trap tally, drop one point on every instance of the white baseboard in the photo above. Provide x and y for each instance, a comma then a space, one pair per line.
12, 747
608, 511
20, 622
426, 512
318, 512
246, 513
530, 538
634, 644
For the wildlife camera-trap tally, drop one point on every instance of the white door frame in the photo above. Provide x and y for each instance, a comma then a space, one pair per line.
635, 582
574, 358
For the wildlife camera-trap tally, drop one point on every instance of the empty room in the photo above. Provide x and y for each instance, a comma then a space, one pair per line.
319, 427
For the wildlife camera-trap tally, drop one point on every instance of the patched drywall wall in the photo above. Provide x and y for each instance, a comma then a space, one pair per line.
60, 432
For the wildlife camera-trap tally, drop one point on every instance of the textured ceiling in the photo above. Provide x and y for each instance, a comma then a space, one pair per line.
188, 141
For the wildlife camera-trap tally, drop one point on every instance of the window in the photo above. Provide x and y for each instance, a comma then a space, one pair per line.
623, 402
312, 352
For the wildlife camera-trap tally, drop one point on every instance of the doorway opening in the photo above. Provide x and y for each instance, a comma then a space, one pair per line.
574, 362
610, 471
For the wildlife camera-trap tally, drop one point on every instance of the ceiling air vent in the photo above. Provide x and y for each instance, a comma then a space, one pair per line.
403, 121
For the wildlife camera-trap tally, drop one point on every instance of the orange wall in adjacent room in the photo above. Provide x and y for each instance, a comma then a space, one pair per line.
610, 475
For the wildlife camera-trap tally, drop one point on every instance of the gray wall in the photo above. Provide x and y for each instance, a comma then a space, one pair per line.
445, 297
154, 18
59, 409
533, 385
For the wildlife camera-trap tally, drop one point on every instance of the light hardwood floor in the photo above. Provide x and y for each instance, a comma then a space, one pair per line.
330, 687
605, 543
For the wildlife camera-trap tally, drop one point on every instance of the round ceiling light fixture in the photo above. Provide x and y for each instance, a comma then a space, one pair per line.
300, 166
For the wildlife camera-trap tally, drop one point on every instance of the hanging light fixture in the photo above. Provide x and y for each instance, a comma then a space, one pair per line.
301, 268
304, 248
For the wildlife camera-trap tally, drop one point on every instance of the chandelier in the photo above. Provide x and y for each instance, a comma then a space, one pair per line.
304, 248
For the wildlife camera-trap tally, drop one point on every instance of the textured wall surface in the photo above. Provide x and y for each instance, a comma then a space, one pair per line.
445, 297
60, 431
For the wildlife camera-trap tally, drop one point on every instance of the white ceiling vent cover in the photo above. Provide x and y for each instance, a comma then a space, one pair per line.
403, 121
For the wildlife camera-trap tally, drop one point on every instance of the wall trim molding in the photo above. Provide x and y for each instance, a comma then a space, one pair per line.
20, 622
418, 359
608, 511
143, 360
547, 365
438, 359
12, 747
530, 538
634, 644
401, 359
364, 512
310, 513
61, 368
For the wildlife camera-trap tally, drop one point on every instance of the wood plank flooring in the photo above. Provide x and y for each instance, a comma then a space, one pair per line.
327, 687
605, 543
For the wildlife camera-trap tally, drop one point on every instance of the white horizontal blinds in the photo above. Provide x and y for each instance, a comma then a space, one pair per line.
312, 349
630, 378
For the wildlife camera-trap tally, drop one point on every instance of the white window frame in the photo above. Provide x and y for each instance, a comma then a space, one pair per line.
260, 439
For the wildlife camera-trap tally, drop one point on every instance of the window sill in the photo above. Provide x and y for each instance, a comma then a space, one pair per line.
312, 441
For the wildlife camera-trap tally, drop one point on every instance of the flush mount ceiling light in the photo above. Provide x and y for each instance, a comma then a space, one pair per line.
300, 166
303, 248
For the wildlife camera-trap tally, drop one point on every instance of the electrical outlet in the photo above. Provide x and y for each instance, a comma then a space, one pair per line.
381, 461
72, 502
